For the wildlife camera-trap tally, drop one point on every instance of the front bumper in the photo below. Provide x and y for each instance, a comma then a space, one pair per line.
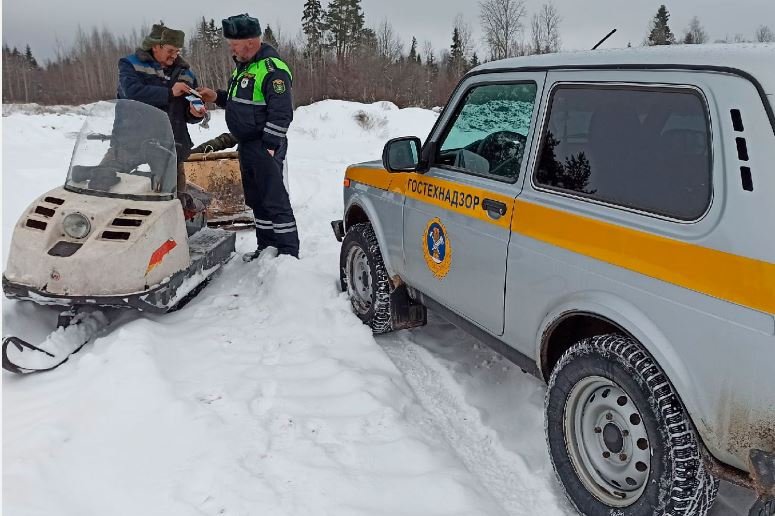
155, 299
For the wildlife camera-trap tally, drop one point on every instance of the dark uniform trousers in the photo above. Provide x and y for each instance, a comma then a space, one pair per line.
265, 194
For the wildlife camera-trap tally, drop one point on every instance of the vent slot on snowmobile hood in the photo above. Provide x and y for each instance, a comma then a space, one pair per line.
55, 200
136, 211
64, 249
46, 212
36, 224
126, 223
115, 235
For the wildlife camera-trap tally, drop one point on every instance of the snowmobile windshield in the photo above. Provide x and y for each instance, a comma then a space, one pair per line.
126, 150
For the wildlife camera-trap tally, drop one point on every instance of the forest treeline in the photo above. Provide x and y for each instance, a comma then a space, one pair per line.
334, 55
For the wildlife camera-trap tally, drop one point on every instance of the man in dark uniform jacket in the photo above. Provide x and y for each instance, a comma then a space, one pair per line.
156, 75
259, 109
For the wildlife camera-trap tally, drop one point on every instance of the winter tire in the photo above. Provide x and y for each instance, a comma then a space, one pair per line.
364, 278
619, 438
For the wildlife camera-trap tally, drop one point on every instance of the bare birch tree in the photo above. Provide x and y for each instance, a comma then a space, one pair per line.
545, 27
503, 27
695, 34
764, 34
389, 45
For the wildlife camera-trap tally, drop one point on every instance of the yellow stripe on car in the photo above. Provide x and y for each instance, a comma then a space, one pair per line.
737, 279
726, 276
453, 196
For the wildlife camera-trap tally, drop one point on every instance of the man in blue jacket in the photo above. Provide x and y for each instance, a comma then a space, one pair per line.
156, 74
259, 109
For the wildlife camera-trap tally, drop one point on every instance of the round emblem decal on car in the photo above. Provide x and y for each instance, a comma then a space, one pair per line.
437, 248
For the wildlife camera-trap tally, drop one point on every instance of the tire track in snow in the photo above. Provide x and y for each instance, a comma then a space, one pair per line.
505, 474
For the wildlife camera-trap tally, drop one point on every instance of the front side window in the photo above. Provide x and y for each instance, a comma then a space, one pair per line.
488, 133
642, 148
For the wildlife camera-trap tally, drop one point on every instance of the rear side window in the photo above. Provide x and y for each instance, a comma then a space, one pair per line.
641, 148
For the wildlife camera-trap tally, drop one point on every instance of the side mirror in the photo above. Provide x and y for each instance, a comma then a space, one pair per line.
402, 154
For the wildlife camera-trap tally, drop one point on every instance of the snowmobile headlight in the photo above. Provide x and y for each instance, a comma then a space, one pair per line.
76, 225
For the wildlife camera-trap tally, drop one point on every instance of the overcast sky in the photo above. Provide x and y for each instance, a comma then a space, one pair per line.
41, 23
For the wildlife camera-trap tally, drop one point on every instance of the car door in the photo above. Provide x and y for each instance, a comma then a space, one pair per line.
457, 215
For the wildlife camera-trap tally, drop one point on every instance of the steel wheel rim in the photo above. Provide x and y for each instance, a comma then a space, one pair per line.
359, 283
607, 441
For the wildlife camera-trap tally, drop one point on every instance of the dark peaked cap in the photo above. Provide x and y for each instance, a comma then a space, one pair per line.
241, 26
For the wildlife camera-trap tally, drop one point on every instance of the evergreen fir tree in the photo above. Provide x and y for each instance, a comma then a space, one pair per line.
214, 39
474, 60
367, 39
413, 56
455, 50
660, 30
29, 59
344, 22
208, 35
268, 36
312, 26
457, 60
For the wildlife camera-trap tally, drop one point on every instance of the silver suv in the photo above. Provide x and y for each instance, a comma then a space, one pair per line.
603, 220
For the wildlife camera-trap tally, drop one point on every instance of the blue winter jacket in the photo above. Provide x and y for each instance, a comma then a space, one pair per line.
142, 78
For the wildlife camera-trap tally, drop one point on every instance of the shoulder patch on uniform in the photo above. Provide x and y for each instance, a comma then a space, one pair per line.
279, 86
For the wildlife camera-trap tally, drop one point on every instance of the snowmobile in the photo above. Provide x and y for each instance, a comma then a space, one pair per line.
114, 236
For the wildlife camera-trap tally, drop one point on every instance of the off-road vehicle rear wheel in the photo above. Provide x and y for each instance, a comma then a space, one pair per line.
619, 438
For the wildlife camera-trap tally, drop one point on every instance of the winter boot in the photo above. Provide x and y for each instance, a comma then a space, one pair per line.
260, 251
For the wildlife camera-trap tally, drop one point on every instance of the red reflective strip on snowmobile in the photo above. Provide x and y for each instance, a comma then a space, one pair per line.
159, 254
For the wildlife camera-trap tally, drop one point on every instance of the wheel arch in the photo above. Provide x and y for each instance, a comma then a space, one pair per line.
586, 314
361, 210
589, 311
567, 329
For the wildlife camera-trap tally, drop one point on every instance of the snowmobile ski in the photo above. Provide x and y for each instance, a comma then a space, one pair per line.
73, 333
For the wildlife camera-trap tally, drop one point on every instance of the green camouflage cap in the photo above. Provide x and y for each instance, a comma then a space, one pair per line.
161, 35
173, 37
154, 37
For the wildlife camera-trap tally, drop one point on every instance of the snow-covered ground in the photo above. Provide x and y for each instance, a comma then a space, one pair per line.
265, 395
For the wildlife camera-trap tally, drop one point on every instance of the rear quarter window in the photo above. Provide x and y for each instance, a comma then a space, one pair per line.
643, 148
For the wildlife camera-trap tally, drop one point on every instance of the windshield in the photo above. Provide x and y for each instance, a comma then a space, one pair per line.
125, 149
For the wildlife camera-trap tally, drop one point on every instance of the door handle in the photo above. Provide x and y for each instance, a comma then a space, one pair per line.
495, 209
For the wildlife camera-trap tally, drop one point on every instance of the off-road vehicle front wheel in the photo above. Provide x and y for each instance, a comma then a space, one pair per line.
364, 277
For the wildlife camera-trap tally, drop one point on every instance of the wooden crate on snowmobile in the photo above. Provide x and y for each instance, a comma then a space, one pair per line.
217, 174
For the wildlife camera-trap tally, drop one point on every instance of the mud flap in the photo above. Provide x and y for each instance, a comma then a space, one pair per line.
338, 227
405, 311
763, 475
763, 507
